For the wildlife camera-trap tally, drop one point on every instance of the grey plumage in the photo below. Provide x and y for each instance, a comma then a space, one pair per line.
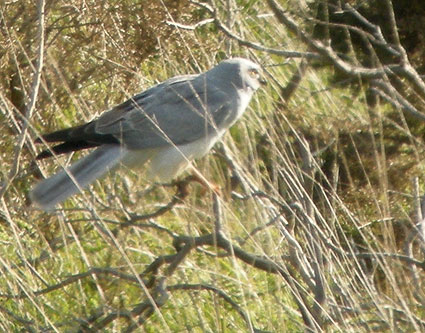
70, 181
168, 125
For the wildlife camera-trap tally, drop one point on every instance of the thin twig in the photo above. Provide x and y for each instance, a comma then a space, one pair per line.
31, 103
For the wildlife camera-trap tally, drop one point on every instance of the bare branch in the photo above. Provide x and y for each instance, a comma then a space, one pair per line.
192, 26
28, 324
77, 277
221, 294
327, 51
255, 46
391, 95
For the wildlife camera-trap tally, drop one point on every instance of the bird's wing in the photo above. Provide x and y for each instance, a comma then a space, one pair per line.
87, 136
176, 112
180, 110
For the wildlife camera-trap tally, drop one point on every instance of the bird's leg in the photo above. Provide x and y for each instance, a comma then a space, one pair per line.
206, 185
182, 185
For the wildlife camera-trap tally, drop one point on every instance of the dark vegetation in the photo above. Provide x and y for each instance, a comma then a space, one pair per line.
318, 225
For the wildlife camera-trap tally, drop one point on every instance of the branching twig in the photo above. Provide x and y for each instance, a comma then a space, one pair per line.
255, 46
28, 324
221, 294
177, 198
401, 257
75, 278
327, 51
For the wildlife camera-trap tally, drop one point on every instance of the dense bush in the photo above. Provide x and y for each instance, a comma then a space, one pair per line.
318, 222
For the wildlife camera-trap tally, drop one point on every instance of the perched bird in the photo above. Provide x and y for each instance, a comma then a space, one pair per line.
164, 127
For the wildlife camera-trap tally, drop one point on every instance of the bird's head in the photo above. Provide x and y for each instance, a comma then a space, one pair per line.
240, 72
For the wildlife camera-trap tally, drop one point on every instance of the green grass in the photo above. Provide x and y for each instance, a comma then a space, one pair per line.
346, 223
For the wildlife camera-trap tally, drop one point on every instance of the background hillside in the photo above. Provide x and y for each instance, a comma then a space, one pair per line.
318, 225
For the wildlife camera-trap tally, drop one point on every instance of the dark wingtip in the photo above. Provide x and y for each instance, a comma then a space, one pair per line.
44, 154
65, 148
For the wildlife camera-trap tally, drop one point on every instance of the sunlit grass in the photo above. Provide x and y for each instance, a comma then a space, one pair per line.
359, 203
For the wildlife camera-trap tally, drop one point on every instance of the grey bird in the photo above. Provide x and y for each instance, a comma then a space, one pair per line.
164, 127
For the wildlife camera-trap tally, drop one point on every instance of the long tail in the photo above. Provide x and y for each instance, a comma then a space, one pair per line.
62, 185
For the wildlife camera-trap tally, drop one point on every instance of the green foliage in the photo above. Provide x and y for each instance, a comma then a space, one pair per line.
319, 184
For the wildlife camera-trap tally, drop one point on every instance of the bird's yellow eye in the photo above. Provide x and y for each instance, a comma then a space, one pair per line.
254, 73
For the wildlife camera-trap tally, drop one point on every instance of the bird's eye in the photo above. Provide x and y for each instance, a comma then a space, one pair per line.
254, 73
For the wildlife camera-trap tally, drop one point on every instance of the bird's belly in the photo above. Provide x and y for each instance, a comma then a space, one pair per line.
169, 162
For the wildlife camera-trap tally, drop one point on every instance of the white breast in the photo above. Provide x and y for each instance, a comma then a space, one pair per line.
244, 98
168, 162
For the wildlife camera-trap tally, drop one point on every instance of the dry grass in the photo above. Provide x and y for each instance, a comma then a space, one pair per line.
316, 227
